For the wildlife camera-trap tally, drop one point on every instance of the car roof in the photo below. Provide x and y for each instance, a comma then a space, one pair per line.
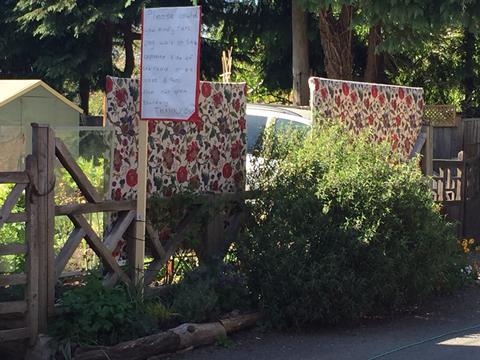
294, 114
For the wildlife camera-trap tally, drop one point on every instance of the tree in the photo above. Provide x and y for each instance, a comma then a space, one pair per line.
79, 37
393, 25
300, 56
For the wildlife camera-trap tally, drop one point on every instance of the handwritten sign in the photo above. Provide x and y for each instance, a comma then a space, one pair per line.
170, 57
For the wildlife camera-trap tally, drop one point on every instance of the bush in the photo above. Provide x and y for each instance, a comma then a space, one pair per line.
205, 293
343, 229
98, 315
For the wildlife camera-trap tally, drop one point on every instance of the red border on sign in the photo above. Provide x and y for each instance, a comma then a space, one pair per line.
194, 116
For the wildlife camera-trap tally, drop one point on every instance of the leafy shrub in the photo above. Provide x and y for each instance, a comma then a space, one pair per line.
207, 292
95, 314
343, 228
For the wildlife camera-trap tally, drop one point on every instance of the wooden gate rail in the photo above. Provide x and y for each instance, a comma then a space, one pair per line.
28, 307
83, 230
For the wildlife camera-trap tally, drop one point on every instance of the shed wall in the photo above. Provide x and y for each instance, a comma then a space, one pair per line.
16, 117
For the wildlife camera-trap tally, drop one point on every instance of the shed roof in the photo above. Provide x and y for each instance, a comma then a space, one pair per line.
13, 89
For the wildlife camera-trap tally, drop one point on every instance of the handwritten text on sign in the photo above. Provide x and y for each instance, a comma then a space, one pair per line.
169, 62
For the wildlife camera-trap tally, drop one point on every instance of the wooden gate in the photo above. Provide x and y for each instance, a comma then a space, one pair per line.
28, 307
44, 269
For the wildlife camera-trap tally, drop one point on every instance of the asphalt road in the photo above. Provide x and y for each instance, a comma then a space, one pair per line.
365, 341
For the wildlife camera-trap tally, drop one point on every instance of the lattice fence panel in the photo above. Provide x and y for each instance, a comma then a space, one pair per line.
441, 115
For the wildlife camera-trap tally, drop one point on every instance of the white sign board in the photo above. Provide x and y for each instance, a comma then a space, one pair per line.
170, 57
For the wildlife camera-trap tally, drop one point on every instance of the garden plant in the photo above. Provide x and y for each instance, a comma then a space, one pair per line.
344, 228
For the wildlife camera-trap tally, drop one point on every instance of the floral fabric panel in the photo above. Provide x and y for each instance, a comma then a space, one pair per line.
206, 156
394, 113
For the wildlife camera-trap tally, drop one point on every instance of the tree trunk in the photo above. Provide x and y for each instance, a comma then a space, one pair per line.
375, 69
468, 80
336, 39
128, 46
84, 92
300, 61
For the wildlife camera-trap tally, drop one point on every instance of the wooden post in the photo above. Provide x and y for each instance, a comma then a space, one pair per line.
138, 251
32, 254
427, 151
43, 149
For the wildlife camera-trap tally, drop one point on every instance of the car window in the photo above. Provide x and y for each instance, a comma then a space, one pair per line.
285, 125
255, 126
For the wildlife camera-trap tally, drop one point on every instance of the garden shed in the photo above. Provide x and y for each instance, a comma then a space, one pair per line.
23, 102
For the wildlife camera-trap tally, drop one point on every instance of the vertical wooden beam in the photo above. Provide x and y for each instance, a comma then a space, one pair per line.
427, 151
32, 255
138, 253
43, 149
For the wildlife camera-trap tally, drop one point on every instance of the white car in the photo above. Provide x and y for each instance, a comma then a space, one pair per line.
260, 116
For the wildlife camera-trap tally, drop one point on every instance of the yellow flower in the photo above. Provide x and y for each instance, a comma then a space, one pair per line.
471, 241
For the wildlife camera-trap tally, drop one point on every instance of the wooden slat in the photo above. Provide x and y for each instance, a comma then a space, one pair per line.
16, 217
172, 245
11, 307
32, 263
69, 163
13, 249
43, 149
10, 202
14, 177
68, 249
98, 247
13, 279
154, 241
121, 225
104, 206
14, 334
422, 137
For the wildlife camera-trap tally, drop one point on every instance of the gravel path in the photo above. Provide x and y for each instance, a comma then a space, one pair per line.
367, 340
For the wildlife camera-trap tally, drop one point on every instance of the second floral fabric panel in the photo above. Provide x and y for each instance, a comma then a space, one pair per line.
393, 113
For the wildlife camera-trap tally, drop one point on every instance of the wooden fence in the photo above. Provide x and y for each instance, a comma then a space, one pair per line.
448, 141
29, 306
44, 268
456, 184
457, 173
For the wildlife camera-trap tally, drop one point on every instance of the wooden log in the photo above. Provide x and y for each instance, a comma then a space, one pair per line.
69, 163
184, 336
240, 322
193, 335
138, 349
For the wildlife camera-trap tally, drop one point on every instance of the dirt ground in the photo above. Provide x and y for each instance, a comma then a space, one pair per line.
423, 327
446, 328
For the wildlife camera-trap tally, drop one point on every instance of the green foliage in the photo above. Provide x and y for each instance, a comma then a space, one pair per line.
207, 292
12, 233
95, 314
344, 229
224, 341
